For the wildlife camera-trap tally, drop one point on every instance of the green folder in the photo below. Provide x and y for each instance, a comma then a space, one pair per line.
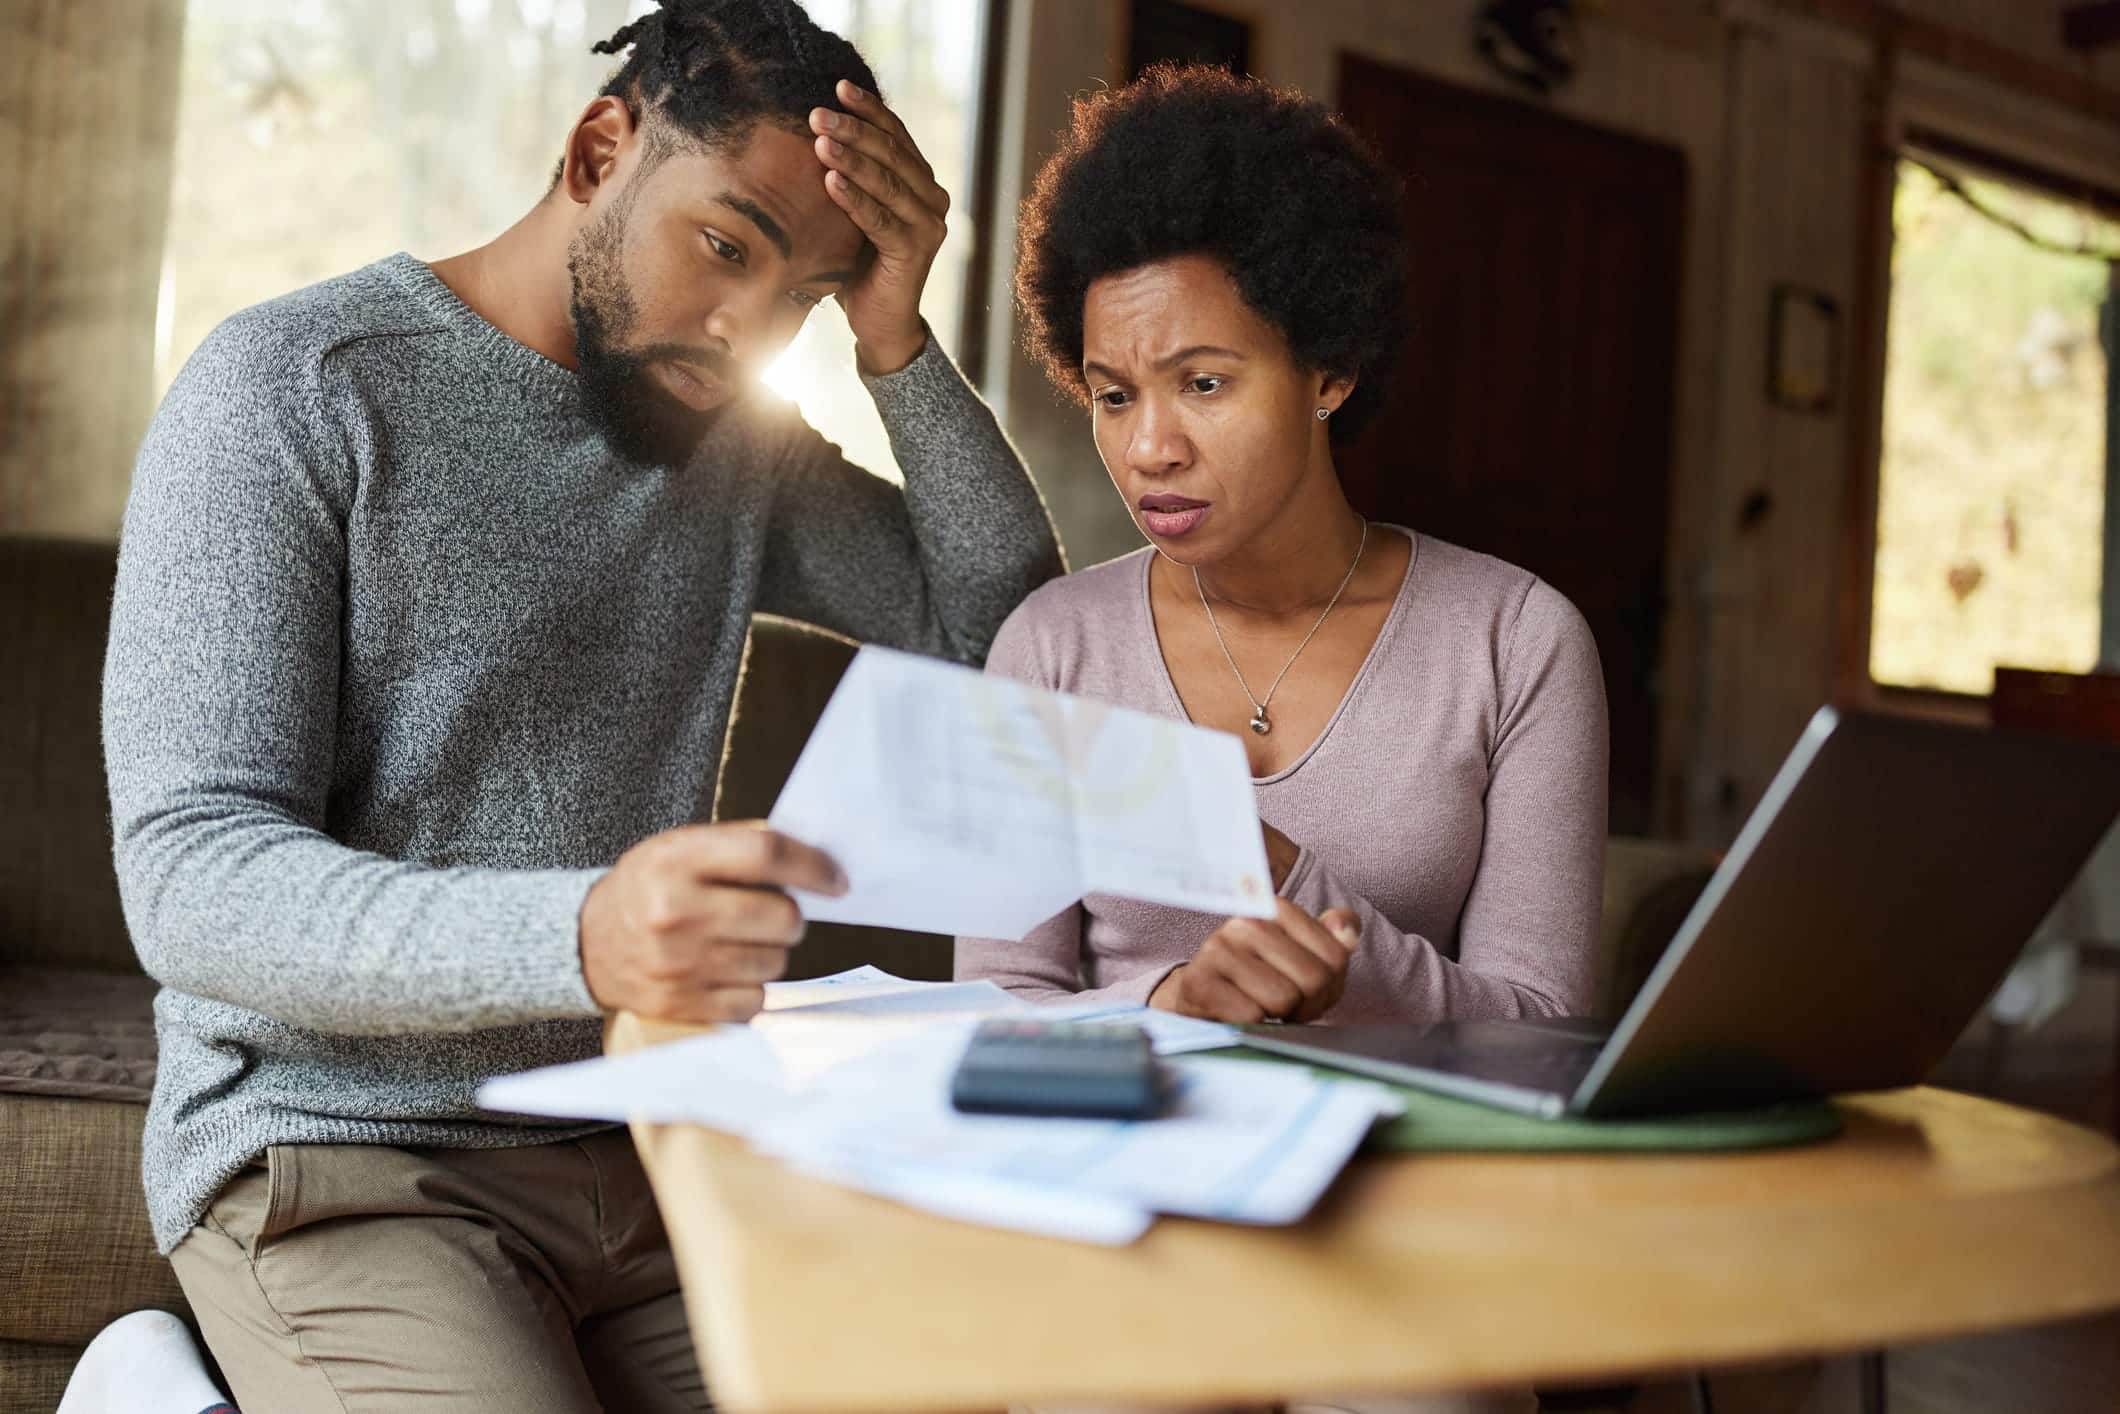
1435, 1122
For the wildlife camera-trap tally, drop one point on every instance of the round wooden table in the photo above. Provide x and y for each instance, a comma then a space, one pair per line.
1933, 1214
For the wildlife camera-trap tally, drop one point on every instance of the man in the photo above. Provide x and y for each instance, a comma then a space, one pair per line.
431, 601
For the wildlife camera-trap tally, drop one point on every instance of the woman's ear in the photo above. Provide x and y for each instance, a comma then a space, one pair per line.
593, 147
1333, 390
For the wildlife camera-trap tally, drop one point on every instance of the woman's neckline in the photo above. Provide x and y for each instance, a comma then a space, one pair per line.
1161, 666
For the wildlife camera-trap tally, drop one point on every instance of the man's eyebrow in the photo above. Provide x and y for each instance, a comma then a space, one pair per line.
772, 230
767, 226
1171, 360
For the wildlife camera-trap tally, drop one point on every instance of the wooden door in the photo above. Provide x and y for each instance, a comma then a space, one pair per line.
1530, 415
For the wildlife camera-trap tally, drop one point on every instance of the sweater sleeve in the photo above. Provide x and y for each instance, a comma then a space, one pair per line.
1528, 931
220, 717
933, 567
1047, 965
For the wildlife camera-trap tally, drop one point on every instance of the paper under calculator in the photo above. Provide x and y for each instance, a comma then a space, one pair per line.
1082, 1069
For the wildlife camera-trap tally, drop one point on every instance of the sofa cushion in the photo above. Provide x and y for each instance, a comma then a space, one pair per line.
83, 1035
58, 892
75, 1250
32, 1377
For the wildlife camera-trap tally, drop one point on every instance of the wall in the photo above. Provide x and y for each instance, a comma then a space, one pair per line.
1760, 660
88, 92
1055, 51
1771, 102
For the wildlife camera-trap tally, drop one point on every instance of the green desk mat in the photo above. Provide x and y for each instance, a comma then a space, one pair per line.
1435, 1122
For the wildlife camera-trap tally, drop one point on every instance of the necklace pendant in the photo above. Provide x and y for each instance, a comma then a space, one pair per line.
1259, 723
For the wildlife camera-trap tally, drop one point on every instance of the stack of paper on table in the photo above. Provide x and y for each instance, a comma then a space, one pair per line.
848, 1078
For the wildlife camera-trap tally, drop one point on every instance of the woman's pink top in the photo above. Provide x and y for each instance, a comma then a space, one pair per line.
1456, 799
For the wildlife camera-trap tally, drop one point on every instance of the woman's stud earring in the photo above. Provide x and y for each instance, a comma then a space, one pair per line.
1324, 413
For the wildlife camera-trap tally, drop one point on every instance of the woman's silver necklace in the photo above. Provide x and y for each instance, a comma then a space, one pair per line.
1259, 723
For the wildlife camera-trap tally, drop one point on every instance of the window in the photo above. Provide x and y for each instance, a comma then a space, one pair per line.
1991, 497
315, 136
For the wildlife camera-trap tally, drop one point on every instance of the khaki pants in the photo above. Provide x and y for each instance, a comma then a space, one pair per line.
349, 1278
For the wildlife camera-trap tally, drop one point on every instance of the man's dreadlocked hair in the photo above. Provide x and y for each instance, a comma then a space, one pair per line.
713, 69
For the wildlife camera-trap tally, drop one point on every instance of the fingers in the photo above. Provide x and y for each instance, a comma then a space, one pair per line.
869, 111
884, 227
1297, 963
1345, 926
896, 226
744, 965
1330, 940
874, 109
700, 964
683, 975
691, 924
750, 854
696, 1007
1233, 953
1291, 968
890, 189
1209, 995
878, 161
877, 174
683, 906
1309, 933
1203, 989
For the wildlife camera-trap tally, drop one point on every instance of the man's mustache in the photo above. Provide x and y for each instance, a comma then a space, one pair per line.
713, 361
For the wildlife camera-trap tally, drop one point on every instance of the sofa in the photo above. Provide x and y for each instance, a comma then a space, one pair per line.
76, 1034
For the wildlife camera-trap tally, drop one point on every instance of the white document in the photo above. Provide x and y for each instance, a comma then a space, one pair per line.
814, 1027
960, 803
808, 1029
1242, 1141
727, 1079
869, 991
1169, 1033
862, 981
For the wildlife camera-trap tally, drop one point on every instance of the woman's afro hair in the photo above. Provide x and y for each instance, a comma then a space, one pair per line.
1191, 160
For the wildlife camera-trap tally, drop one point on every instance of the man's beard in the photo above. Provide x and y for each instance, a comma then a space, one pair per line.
641, 420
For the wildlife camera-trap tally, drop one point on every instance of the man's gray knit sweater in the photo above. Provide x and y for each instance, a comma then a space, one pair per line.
403, 656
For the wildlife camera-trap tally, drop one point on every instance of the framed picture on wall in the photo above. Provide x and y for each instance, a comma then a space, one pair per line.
1803, 350
1186, 34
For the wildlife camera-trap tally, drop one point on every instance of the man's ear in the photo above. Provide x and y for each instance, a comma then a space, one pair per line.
603, 129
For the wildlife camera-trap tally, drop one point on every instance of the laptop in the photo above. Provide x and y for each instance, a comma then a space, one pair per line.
1892, 873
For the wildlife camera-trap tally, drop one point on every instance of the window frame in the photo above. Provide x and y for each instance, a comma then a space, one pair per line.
1853, 685
983, 200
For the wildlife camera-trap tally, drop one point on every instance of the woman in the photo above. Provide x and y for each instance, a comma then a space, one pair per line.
1215, 268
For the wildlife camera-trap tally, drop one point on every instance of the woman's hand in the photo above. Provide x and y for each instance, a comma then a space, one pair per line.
1290, 968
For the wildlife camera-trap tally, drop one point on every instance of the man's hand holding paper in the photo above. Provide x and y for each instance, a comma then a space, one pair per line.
692, 923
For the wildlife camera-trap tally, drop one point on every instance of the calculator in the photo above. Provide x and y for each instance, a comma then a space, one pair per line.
1084, 1069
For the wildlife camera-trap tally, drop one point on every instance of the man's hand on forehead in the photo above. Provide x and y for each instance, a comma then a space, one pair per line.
877, 175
